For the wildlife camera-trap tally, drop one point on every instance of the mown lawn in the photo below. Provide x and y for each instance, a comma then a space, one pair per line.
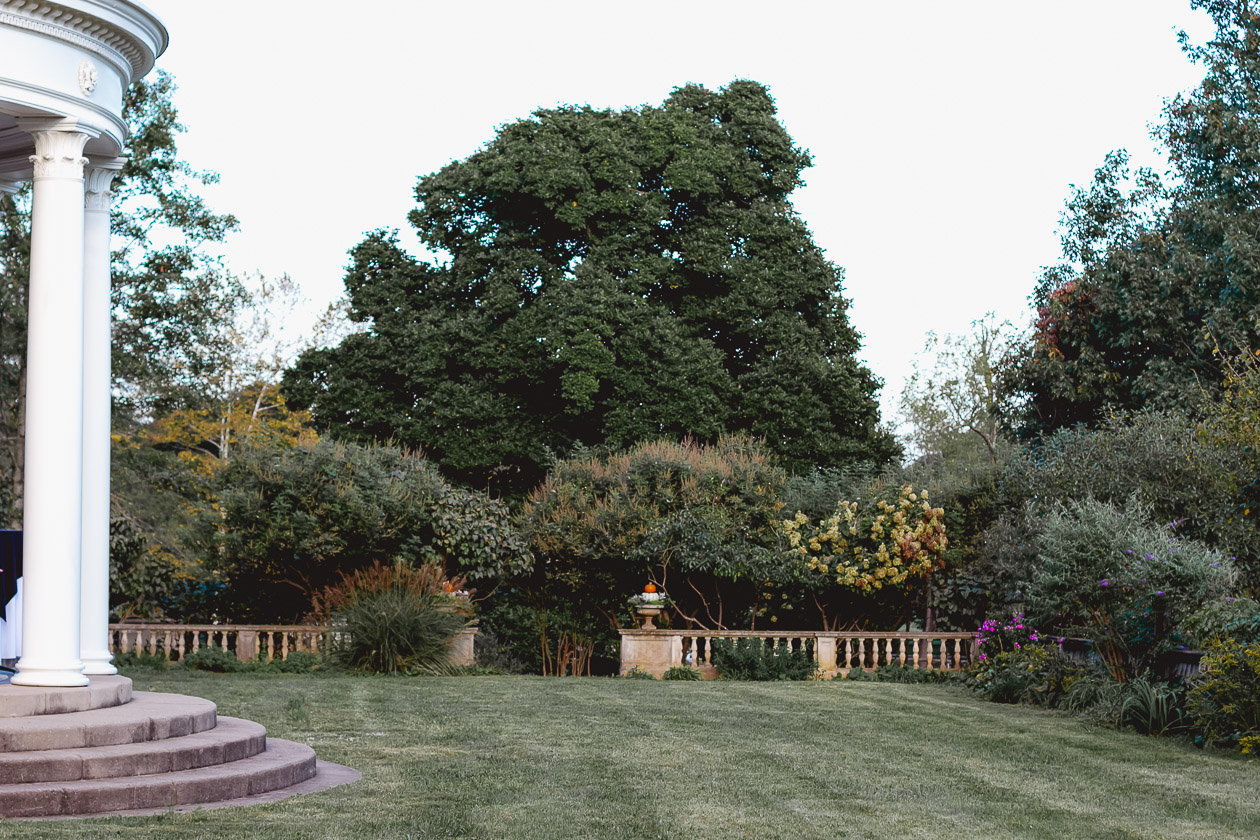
528, 757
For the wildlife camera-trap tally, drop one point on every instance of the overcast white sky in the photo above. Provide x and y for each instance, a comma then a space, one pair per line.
944, 134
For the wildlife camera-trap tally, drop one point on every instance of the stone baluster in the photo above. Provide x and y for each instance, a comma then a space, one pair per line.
901, 652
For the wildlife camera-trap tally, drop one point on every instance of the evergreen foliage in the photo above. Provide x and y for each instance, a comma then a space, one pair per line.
1159, 271
613, 277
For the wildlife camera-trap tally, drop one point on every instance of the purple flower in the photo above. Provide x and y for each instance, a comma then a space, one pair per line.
1148, 557
1102, 582
1128, 551
1159, 593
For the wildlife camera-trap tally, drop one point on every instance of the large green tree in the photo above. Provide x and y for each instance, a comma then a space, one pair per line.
613, 276
170, 295
1160, 270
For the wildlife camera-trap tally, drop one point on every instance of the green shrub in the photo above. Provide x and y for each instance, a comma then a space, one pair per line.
216, 659
1095, 693
908, 674
1153, 708
749, 658
1225, 700
1109, 574
1035, 674
128, 661
637, 673
859, 675
298, 662
1233, 618
683, 673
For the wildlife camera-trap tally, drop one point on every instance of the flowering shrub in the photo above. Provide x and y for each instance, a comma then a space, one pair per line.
869, 547
996, 636
1225, 701
1111, 575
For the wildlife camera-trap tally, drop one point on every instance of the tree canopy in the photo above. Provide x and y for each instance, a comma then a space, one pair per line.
613, 276
1160, 270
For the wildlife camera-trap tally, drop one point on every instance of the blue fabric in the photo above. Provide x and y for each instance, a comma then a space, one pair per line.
10, 566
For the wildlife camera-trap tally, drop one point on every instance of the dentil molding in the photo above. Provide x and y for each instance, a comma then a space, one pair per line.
121, 48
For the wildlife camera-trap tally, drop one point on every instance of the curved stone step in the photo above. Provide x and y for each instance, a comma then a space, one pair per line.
284, 764
231, 740
148, 717
28, 700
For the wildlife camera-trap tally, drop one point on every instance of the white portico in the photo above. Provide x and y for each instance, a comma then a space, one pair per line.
64, 67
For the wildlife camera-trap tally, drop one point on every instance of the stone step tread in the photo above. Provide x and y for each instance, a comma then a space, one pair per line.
148, 717
26, 700
231, 740
284, 764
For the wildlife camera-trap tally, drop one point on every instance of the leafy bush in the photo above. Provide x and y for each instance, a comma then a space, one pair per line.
490, 654
1108, 574
907, 674
683, 673
1153, 708
637, 673
297, 662
129, 661
1233, 618
1157, 457
1225, 700
749, 658
1035, 674
1096, 695
388, 619
293, 518
216, 659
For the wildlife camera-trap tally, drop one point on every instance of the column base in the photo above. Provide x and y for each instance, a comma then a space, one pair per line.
98, 663
68, 676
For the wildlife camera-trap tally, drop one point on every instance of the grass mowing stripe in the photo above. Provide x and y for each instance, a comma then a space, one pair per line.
521, 757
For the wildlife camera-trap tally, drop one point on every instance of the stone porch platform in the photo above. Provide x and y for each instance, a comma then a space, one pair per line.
105, 749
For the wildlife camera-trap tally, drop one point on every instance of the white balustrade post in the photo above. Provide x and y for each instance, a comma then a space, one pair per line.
94, 613
53, 499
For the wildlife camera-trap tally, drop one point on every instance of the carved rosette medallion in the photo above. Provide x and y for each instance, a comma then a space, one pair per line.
87, 77
59, 154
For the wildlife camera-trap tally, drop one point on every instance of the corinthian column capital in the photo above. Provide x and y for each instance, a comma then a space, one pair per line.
58, 147
99, 174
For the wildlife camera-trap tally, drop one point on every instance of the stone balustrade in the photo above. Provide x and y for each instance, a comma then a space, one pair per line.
836, 652
250, 642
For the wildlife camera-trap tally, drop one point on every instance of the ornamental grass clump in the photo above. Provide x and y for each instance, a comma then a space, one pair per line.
392, 619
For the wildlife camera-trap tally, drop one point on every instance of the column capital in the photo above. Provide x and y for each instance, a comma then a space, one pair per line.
99, 174
58, 146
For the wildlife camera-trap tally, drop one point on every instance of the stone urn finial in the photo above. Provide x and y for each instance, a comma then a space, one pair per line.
649, 605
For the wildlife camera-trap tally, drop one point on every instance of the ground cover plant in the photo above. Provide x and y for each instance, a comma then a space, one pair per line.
527, 757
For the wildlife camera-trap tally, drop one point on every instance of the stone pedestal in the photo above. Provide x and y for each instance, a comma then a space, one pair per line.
462, 647
653, 651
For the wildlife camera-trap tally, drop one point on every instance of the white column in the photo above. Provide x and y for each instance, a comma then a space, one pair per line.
53, 501
94, 615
